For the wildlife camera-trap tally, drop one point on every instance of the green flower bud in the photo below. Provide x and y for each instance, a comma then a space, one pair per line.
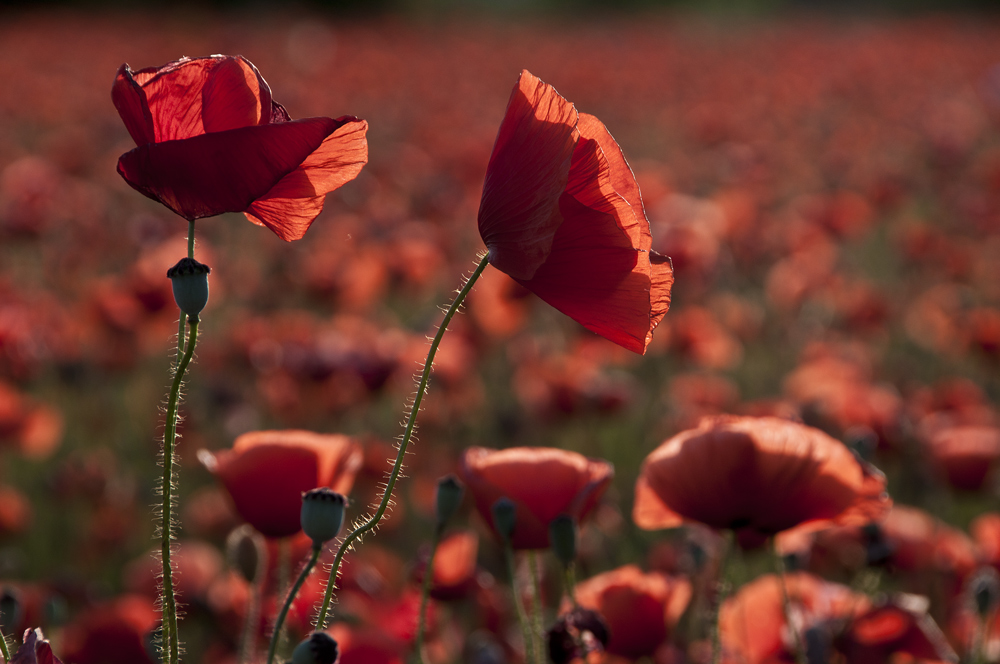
190, 281
449, 499
504, 517
322, 514
318, 648
562, 535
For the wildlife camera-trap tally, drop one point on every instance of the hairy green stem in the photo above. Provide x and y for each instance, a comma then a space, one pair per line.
522, 615
786, 604
411, 421
425, 593
303, 575
3, 648
538, 631
171, 649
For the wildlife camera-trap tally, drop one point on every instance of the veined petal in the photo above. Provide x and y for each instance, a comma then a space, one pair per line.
297, 199
130, 100
222, 171
235, 95
526, 175
174, 95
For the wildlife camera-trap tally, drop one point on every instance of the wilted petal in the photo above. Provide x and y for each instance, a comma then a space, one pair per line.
224, 171
297, 199
526, 176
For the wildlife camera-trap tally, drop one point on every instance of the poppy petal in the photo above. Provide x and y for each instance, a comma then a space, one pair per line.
173, 92
297, 199
223, 171
525, 177
593, 273
234, 96
130, 100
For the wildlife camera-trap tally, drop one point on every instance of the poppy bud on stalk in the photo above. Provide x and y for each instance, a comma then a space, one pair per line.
322, 514
190, 282
448, 500
985, 591
319, 648
505, 517
562, 534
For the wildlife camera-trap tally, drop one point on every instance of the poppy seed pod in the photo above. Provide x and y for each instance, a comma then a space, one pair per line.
322, 514
319, 648
504, 517
190, 281
985, 591
562, 535
448, 500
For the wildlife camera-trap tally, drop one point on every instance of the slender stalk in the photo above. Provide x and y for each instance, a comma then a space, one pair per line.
425, 593
183, 317
569, 584
411, 421
522, 616
3, 648
248, 639
171, 650
303, 575
538, 631
720, 594
779, 567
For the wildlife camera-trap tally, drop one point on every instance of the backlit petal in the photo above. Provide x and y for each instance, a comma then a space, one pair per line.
234, 96
130, 100
526, 176
223, 171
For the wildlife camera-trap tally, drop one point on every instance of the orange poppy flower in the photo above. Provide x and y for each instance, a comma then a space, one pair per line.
965, 454
266, 473
562, 215
543, 482
211, 140
639, 609
757, 476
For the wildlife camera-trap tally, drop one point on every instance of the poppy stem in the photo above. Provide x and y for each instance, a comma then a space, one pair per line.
721, 590
779, 566
538, 632
303, 575
425, 593
3, 648
569, 584
171, 649
248, 639
411, 421
522, 615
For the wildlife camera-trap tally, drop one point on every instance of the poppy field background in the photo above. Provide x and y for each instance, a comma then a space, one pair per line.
828, 191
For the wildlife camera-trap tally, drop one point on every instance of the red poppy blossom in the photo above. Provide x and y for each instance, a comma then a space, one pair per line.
266, 473
757, 476
640, 609
211, 140
562, 215
543, 482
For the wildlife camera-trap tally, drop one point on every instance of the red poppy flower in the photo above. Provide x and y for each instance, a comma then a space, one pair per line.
266, 473
211, 140
639, 609
112, 633
562, 215
757, 476
543, 482
965, 454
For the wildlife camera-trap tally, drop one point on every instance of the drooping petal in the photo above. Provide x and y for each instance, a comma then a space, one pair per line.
130, 100
234, 96
297, 199
593, 273
525, 177
223, 171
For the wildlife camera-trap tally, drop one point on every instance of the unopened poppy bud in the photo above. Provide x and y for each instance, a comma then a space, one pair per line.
190, 281
10, 609
322, 514
449, 498
562, 535
319, 648
985, 591
246, 550
504, 516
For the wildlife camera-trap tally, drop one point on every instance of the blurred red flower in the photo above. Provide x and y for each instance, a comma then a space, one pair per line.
758, 476
639, 609
211, 140
562, 215
112, 633
543, 482
266, 473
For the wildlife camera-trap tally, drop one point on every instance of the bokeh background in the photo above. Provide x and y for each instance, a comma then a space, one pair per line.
826, 182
